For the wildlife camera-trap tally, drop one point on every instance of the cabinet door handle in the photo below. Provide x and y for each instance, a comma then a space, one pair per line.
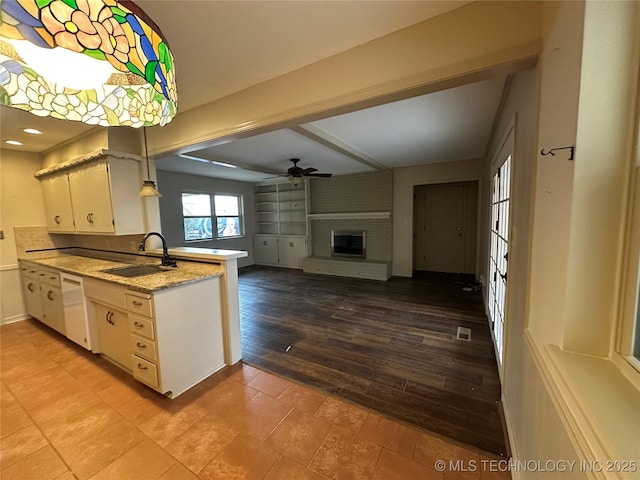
90, 217
138, 325
137, 303
109, 317
50, 295
142, 367
30, 287
57, 219
141, 346
52, 278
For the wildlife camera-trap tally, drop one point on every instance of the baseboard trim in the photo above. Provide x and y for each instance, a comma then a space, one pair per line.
15, 318
512, 445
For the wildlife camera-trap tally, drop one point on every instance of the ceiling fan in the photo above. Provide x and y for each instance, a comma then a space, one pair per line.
296, 174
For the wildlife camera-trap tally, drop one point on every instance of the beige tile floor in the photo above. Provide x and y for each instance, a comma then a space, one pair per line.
68, 414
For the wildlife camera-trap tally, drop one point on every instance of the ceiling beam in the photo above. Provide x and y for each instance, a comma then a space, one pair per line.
320, 136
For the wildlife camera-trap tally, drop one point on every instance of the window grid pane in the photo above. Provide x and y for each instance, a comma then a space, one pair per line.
227, 205
498, 252
196, 205
228, 227
197, 228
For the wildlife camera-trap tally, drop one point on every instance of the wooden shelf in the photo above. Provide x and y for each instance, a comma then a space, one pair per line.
280, 209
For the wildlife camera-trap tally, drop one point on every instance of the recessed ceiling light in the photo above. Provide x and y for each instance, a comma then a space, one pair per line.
14, 142
32, 131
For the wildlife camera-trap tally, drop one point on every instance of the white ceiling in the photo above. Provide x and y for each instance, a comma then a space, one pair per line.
448, 125
221, 47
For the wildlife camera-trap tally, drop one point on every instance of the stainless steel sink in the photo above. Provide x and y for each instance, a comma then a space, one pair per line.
135, 270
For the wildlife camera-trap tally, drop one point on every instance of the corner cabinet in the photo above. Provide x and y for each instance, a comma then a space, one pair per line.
97, 196
43, 295
281, 224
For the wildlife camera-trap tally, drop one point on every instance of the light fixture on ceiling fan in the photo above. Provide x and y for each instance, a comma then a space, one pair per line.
295, 175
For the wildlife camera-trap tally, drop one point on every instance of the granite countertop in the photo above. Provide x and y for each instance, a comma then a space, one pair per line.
186, 272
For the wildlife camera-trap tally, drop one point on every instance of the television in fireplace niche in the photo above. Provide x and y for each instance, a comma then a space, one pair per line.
349, 243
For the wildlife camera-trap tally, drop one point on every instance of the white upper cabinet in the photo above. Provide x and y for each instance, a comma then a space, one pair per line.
91, 198
57, 202
102, 196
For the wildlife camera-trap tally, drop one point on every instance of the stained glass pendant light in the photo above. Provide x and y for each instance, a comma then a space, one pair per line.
101, 62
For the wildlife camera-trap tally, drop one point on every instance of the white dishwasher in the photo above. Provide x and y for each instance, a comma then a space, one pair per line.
75, 310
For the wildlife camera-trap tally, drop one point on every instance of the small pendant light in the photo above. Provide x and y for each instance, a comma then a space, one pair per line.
148, 186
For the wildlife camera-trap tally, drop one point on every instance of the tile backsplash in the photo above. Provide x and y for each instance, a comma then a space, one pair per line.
29, 239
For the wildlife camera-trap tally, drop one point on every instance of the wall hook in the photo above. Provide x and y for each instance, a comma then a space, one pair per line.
551, 152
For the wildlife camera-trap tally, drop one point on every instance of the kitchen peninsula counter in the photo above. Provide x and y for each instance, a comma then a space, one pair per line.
186, 272
194, 265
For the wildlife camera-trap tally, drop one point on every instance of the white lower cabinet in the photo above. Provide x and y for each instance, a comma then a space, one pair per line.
280, 250
43, 295
265, 249
113, 332
169, 340
291, 250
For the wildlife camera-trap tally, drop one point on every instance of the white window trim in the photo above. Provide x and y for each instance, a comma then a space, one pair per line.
214, 217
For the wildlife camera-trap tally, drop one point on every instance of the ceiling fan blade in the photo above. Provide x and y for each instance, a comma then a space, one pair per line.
325, 175
309, 170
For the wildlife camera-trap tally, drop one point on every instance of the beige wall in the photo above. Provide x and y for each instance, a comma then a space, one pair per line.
559, 91
606, 118
125, 140
20, 205
587, 98
404, 179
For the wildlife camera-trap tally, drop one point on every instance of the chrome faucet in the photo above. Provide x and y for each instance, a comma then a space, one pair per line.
166, 260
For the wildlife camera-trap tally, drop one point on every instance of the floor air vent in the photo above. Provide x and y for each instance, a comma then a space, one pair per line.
464, 333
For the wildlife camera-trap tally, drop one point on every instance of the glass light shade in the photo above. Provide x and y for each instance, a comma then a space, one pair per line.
149, 189
295, 180
101, 62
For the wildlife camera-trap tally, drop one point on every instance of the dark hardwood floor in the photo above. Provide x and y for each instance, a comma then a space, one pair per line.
389, 346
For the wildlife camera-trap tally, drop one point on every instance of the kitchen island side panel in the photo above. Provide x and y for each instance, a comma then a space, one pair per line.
189, 334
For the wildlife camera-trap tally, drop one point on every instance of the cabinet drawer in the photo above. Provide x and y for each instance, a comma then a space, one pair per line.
105, 292
144, 347
139, 305
142, 326
145, 371
25, 270
49, 277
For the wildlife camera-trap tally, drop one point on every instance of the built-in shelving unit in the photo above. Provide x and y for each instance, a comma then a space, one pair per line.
266, 202
281, 209
292, 208
281, 224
